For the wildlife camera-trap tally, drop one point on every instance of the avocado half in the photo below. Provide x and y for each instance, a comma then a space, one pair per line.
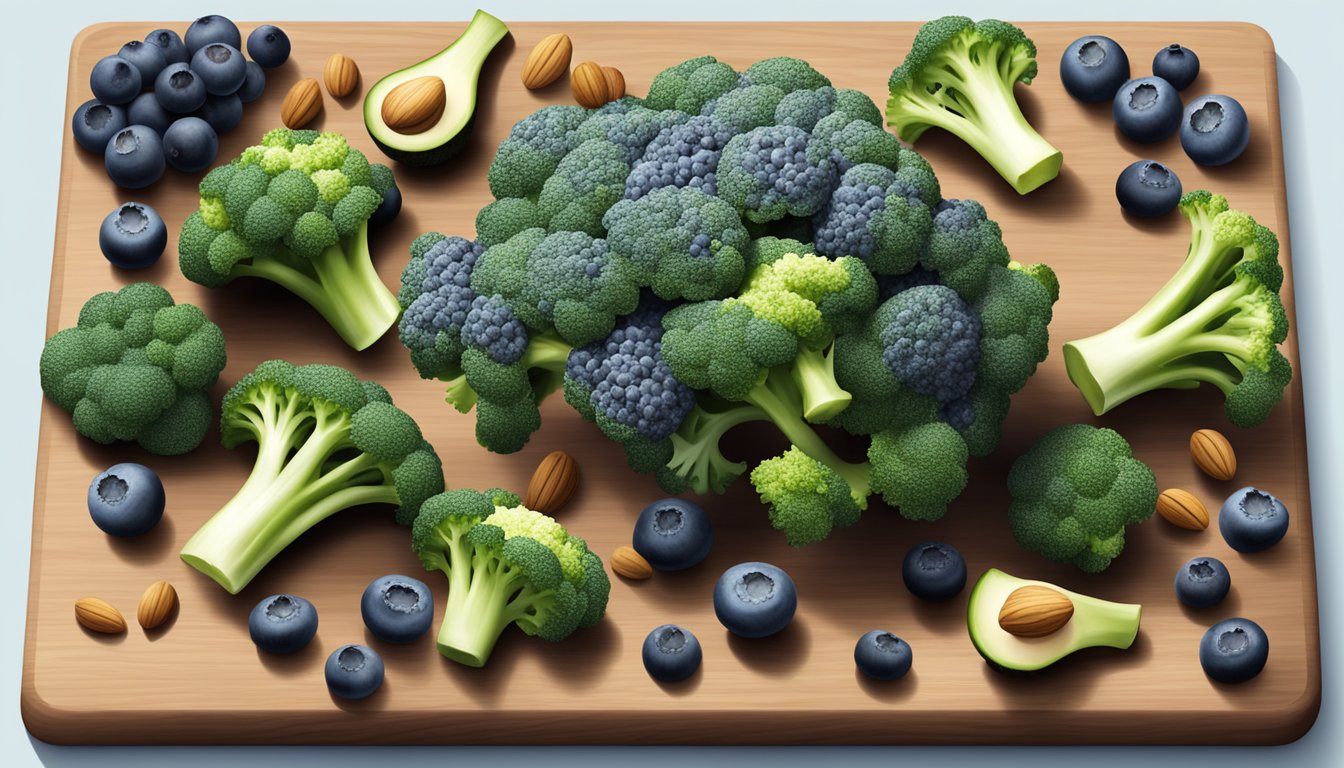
459, 67
1095, 622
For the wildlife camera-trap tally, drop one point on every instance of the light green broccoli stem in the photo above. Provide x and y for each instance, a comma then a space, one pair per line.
545, 359
695, 447
460, 395
481, 604
814, 373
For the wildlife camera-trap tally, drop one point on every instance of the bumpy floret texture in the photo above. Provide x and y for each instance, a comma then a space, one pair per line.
436, 298
682, 155
767, 174
933, 342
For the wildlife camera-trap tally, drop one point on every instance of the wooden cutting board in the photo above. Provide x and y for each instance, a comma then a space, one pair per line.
200, 680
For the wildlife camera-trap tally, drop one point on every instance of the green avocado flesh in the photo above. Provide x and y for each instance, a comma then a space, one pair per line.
459, 67
1095, 622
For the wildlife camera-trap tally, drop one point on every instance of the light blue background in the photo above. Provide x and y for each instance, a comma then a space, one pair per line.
35, 52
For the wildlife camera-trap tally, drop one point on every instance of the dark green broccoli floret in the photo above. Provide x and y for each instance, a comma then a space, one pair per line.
533, 149
688, 85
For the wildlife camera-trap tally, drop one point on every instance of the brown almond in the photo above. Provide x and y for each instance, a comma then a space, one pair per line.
548, 61
156, 605
555, 480
98, 615
415, 105
628, 563
1035, 611
302, 104
615, 83
1213, 454
589, 85
341, 74
1182, 509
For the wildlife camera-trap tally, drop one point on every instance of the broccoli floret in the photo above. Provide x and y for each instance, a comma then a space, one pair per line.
874, 215
959, 76
932, 342
436, 296
688, 85
136, 367
806, 498
786, 73
505, 218
1218, 320
326, 441
767, 174
505, 564
629, 129
802, 109
682, 155
1075, 491
533, 149
745, 108
585, 184
848, 141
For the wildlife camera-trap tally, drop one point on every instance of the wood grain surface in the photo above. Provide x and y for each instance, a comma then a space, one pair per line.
200, 680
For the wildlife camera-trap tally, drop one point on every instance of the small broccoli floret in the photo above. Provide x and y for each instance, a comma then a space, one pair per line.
745, 108
505, 218
533, 149
767, 174
932, 343
802, 109
585, 184
629, 129
920, 469
786, 73
1075, 491
682, 155
688, 85
877, 217
848, 141
436, 295
806, 498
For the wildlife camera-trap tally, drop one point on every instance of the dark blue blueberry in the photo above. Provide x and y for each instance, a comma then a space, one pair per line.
223, 113
167, 40
134, 157
179, 90
1147, 109
1148, 188
268, 45
147, 57
387, 211
254, 84
212, 29
397, 609
673, 534
95, 122
115, 80
221, 67
1093, 68
934, 571
1252, 520
133, 236
354, 672
147, 111
282, 623
190, 144
883, 656
1233, 650
1215, 130
1177, 65
126, 499
1203, 582
671, 653
755, 599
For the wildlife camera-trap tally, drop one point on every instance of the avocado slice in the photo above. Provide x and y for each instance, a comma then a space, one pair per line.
459, 67
1095, 622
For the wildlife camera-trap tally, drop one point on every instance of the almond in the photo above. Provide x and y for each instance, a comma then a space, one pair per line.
302, 104
156, 605
341, 74
98, 615
415, 105
589, 85
1213, 454
628, 563
548, 61
1035, 611
555, 480
615, 83
1182, 509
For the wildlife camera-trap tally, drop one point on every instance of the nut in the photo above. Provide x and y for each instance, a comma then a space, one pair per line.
628, 563
1213, 454
156, 605
302, 104
548, 61
589, 84
98, 615
1035, 611
415, 105
1182, 509
615, 83
555, 480
341, 74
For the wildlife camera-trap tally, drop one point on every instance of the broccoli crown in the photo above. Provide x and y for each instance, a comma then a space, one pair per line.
585, 184
533, 149
136, 367
688, 85
682, 155
766, 174
786, 73
505, 218
806, 498
879, 217
1074, 492
848, 141
437, 298
931, 342
957, 40
742, 109
802, 109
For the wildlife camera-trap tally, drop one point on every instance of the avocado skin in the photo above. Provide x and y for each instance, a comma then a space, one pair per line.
430, 157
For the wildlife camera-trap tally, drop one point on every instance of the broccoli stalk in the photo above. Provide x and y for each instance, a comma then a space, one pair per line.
696, 458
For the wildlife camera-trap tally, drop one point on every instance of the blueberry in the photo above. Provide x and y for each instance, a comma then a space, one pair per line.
671, 653
397, 609
1093, 67
221, 67
282, 624
1252, 520
147, 57
354, 672
115, 80
126, 499
95, 122
1234, 650
268, 45
178, 89
1148, 188
387, 210
190, 144
1215, 130
1203, 582
223, 113
934, 571
174, 50
133, 236
254, 84
1177, 65
147, 111
883, 656
212, 29
673, 534
755, 599
134, 157
1147, 109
